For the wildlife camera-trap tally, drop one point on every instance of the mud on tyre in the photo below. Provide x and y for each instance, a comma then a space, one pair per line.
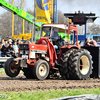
80, 64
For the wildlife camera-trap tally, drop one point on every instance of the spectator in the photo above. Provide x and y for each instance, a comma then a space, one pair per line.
0, 46
10, 41
25, 41
2, 42
18, 42
10, 48
15, 48
4, 50
90, 42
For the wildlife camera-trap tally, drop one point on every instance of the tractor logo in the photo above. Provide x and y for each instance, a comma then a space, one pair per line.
43, 4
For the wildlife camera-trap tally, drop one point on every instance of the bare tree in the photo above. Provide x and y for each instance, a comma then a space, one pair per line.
28, 25
6, 27
61, 18
6, 24
18, 20
95, 29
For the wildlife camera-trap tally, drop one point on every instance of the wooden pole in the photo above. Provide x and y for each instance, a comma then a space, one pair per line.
23, 19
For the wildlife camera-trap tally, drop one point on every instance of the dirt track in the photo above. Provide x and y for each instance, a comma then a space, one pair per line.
20, 83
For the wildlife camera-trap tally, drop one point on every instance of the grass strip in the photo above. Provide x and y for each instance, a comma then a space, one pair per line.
2, 71
47, 94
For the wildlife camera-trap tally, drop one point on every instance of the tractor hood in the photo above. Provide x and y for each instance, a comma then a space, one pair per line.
28, 46
38, 48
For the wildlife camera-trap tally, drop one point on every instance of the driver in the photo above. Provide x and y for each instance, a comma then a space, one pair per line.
54, 34
58, 42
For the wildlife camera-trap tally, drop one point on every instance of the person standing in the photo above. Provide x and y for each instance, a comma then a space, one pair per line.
4, 50
90, 42
2, 42
15, 46
18, 42
11, 50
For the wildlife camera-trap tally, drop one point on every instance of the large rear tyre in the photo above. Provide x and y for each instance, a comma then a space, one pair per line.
28, 72
64, 62
10, 69
80, 64
41, 70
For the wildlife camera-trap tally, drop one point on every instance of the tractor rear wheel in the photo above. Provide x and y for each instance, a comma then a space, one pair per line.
64, 62
28, 72
80, 64
41, 70
10, 69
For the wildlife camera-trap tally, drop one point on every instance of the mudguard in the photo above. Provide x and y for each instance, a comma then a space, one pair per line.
95, 53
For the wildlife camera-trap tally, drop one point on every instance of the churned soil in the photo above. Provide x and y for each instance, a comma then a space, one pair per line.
20, 83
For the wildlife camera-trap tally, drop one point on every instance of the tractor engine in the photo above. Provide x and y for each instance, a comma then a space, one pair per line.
24, 50
30, 53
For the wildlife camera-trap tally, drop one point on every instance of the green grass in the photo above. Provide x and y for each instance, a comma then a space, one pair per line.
47, 94
2, 71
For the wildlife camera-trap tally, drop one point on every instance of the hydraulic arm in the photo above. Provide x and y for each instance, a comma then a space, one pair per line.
20, 12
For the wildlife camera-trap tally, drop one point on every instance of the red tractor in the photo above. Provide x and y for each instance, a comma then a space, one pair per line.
52, 54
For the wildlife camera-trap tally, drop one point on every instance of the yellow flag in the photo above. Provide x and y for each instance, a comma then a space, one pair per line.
42, 11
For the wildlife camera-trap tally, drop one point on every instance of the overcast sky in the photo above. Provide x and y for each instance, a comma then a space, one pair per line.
70, 6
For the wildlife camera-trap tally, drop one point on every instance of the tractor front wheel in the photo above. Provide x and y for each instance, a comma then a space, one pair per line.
41, 69
10, 69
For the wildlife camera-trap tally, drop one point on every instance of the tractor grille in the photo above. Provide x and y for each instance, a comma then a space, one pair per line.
23, 46
24, 50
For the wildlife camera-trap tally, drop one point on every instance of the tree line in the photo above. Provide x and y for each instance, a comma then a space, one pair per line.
6, 22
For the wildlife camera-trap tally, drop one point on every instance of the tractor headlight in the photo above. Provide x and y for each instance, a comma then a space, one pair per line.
21, 52
32, 54
26, 52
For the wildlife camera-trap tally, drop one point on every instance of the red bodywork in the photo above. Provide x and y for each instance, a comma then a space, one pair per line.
51, 50
40, 47
45, 45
